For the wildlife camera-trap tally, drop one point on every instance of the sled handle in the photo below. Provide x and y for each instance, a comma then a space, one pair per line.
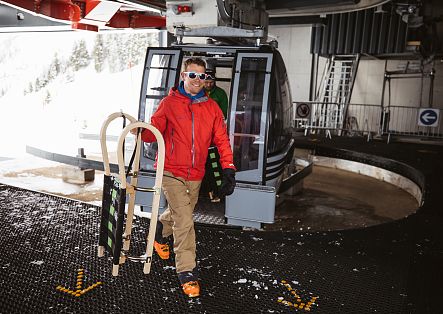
160, 155
104, 147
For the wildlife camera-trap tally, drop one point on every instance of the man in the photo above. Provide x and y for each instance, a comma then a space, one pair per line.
216, 93
189, 121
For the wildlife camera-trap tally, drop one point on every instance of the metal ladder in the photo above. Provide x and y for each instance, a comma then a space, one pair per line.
334, 92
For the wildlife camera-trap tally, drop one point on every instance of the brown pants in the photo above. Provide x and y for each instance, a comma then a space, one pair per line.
177, 219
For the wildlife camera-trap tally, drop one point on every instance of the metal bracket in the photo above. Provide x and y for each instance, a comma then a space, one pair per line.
219, 31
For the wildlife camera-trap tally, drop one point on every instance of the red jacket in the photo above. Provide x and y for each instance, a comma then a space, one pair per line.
188, 130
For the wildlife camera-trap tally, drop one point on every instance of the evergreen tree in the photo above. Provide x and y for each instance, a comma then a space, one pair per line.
112, 48
73, 59
133, 48
54, 68
37, 85
118, 44
140, 43
28, 89
80, 56
99, 53
48, 98
44, 80
84, 57
125, 52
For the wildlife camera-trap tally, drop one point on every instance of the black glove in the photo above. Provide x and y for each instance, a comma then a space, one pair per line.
228, 183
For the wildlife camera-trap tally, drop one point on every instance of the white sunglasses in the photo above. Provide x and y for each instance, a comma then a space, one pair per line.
193, 75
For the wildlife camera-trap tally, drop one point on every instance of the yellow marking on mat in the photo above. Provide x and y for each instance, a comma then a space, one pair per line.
78, 288
298, 304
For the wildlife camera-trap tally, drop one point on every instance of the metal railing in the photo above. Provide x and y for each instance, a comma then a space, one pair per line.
404, 121
362, 120
358, 120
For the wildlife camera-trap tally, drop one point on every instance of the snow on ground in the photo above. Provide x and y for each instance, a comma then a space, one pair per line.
79, 101
78, 104
38, 174
77, 107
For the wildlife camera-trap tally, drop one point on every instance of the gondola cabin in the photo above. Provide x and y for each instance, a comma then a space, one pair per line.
258, 120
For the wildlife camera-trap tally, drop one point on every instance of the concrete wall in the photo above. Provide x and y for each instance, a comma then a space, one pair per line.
369, 82
294, 45
404, 92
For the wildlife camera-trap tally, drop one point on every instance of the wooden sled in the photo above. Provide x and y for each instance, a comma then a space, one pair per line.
115, 230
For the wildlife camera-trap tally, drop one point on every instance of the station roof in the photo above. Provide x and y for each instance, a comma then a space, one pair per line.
53, 15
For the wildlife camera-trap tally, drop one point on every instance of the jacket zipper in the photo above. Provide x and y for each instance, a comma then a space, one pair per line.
193, 148
172, 141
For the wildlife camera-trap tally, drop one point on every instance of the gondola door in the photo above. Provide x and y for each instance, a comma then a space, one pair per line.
161, 72
248, 114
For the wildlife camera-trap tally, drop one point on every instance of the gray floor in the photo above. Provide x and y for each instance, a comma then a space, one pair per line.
331, 199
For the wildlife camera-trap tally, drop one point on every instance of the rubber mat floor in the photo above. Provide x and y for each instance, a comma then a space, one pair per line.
48, 248
46, 240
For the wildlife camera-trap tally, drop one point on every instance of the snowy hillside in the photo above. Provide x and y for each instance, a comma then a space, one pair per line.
48, 97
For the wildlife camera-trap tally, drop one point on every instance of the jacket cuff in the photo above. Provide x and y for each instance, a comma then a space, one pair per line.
229, 166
